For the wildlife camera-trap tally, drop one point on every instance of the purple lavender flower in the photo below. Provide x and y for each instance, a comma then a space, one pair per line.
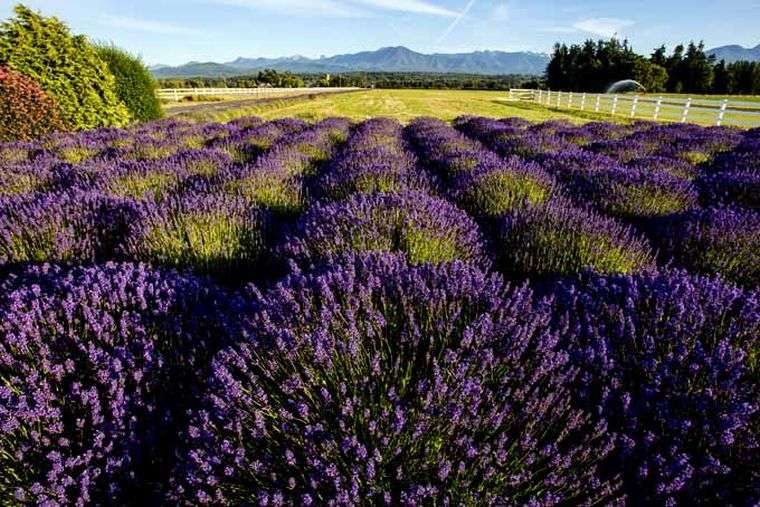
98, 366
667, 361
374, 159
209, 233
731, 189
633, 193
424, 228
377, 382
674, 166
493, 191
72, 226
559, 239
713, 240
276, 180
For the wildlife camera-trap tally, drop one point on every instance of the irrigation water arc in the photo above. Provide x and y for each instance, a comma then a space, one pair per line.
625, 85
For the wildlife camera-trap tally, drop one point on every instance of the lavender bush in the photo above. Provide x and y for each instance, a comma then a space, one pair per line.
376, 382
97, 365
380, 361
559, 239
209, 233
423, 228
714, 240
669, 361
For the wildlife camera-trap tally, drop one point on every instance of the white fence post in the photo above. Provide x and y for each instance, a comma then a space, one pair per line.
570, 101
686, 110
583, 101
614, 105
657, 107
633, 106
598, 100
722, 112
540, 93
559, 99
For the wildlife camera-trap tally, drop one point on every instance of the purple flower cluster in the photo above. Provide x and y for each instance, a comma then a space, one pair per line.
97, 365
339, 331
713, 240
668, 361
558, 239
423, 228
629, 192
207, 232
376, 382
277, 180
375, 159
479, 180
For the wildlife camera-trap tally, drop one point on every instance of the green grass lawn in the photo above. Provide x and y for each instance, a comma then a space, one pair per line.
402, 105
447, 105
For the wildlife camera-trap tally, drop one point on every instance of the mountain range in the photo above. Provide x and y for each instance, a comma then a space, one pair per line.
390, 59
734, 53
401, 59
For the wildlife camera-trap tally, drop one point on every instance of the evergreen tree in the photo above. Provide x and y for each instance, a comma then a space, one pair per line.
67, 68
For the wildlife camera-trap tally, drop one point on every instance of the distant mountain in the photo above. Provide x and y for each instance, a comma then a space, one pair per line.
734, 53
391, 59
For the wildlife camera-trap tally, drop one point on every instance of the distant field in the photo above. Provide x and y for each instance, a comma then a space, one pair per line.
404, 105
400, 104
732, 98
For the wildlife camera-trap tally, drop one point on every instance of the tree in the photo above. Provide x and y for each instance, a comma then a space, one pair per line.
674, 66
653, 77
659, 57
26, 112
67, 67
135, 85
594, 66
697, 69
721, 78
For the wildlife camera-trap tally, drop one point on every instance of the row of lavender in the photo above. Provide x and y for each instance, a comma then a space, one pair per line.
381, 359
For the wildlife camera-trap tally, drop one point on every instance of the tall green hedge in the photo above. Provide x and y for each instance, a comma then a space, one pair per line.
67, 67
135, 85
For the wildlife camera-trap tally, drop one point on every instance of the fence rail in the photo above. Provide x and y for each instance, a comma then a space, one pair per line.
667, 109
178, 94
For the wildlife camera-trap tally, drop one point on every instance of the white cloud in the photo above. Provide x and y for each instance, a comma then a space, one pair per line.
146, 25
606, 27
413, 6
304, 8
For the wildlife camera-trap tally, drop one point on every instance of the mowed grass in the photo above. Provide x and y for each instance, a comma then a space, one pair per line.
402, 105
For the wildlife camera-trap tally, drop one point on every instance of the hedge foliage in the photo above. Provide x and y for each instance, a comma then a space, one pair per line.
66, 66
26, 111
134, 84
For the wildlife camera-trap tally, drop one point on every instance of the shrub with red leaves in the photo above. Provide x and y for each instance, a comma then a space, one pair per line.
26, 111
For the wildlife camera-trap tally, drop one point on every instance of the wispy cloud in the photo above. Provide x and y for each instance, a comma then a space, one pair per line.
296, 7
146, 25
456, 21
412, 6
606, 27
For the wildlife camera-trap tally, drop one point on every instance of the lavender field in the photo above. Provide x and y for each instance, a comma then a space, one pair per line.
488, 312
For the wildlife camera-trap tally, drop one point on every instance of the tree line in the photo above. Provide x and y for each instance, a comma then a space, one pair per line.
594, 65
411, 80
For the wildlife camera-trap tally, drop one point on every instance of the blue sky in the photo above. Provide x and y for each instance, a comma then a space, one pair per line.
177, 31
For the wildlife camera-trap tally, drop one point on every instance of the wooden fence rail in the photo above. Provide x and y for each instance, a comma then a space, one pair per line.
667, 109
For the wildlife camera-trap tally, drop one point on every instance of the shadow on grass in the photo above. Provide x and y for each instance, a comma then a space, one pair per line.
550, 112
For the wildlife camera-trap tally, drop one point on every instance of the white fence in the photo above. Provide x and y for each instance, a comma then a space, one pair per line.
669, 109
252, 93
